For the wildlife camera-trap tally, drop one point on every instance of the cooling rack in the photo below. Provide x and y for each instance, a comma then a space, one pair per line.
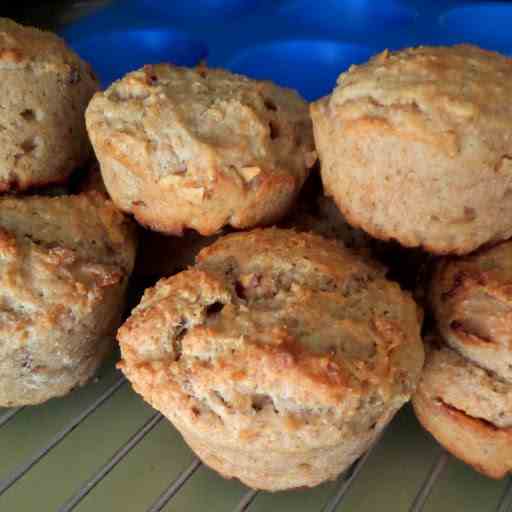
101, 448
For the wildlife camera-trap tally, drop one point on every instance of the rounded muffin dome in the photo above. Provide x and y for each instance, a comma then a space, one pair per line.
200, 148
64, 267
471, 299
279, 356
45, 88
415, 146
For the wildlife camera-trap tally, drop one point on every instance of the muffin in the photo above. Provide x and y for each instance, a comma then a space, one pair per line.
415, 146
45, 88
471, 299
279, 357
467, 409
64, 266
200, 148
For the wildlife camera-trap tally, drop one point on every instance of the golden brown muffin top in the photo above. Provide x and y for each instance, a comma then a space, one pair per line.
280, 321
59, 257
86, 224
428, 93
472, 302
41, 51
487, 271
190, 120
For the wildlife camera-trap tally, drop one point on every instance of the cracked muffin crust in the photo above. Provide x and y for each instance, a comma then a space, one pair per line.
279, 357
471, 299
62, 284
44, 90
416, 146
467, 409
200, 148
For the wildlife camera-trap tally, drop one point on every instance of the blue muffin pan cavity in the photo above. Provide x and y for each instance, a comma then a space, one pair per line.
113, 53
304, 44
485, 24
309, 66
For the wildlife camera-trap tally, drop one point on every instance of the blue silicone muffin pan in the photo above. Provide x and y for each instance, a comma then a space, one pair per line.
304, 44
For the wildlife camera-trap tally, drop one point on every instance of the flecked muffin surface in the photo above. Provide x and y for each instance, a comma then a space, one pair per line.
200, 148
45, 88
471, 299
467, 409
279, 356
62, 282
415, 146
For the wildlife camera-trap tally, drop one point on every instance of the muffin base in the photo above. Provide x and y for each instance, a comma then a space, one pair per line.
477, 442
271, 470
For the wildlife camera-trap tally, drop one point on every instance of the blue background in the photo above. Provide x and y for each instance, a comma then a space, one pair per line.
304, 44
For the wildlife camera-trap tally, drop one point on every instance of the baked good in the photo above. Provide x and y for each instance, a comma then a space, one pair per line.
279, 357
467, 409
471, 299
45, 88
415, 146
200, 148
64, 266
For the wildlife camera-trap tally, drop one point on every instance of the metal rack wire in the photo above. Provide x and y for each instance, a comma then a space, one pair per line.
334, 503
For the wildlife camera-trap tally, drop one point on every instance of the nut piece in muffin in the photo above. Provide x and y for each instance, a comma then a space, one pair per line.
279, 357
200, 148
45, 88
64, 267
415, 146
467, 409
471, 298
